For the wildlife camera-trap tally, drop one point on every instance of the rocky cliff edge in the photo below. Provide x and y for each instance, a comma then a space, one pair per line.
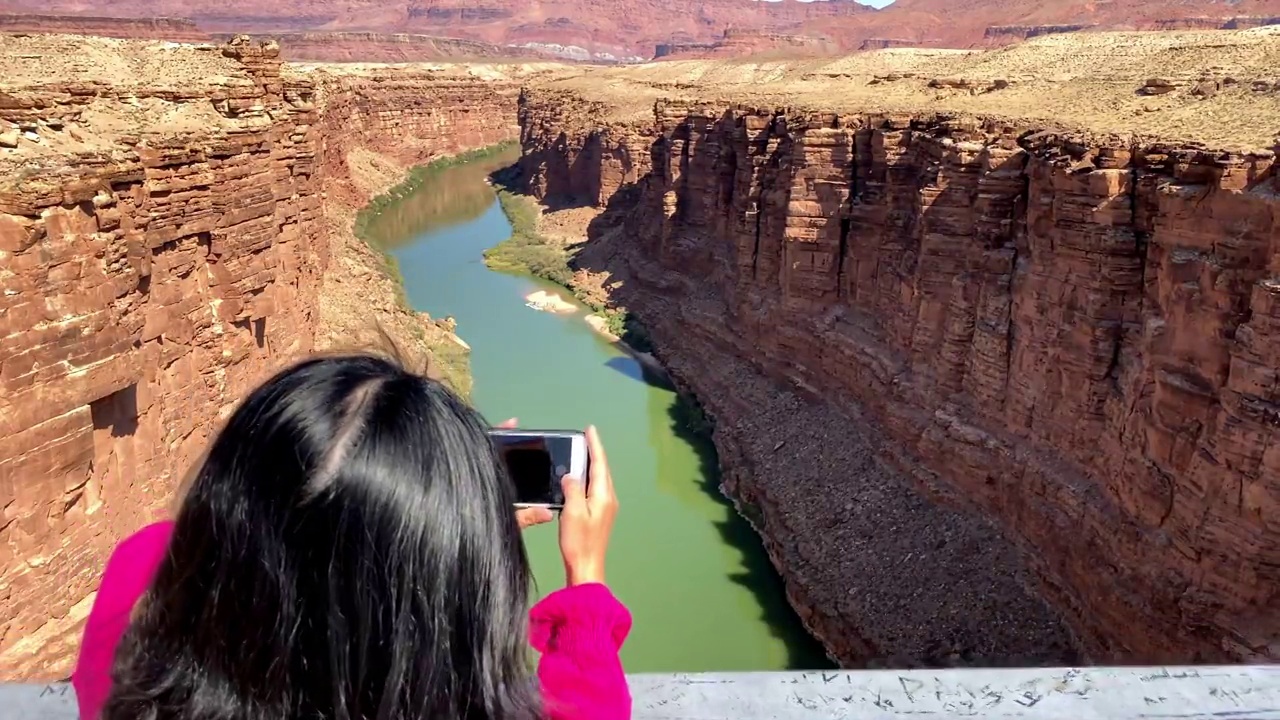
175, 223
995, 367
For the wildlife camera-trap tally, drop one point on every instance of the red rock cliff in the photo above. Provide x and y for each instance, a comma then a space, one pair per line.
627, 29
1073, 336
742, 43
177, 29
384, 47
167, 221
612, 27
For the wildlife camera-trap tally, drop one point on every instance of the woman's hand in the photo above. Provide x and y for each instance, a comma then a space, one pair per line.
587, 518
528, 517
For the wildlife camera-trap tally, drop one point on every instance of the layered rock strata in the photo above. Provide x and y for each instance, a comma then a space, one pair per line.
741, 43
177, 29
572, 154
167, 237
373, 47
1000, 34
611, 30
1210, 23
599, 29
1074, 337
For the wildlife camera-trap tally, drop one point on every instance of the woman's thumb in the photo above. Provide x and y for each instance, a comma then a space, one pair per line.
575, 493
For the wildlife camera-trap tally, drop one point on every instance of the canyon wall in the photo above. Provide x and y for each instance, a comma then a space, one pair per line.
172, 219
371, 47
176, 29
1213, 23
742, 43
611, 30
1074, 336
1002, 34
573, 155
601, 29
411, 117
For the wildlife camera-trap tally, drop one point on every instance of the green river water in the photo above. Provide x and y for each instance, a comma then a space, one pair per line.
700, 588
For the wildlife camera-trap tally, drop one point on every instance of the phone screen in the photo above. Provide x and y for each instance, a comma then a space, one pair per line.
536, 462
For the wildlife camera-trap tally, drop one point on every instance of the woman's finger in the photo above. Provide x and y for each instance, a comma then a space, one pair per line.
601, 485
507, 424
528, 517
575, 498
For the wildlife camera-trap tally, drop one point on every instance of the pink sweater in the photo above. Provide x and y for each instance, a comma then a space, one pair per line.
578, 630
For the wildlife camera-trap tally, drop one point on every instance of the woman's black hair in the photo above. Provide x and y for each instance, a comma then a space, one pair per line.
347, 551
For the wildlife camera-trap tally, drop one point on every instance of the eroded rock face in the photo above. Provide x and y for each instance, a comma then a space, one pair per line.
176, 29
385, 47
602, 29
1214, 23
1075, 337
1000, 34
573, 157
152, 273
628, 30
742, 43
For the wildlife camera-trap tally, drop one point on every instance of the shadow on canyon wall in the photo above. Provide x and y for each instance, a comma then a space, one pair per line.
967, 564
688, 423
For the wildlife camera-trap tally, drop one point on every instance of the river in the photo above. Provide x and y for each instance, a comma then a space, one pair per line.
695, 576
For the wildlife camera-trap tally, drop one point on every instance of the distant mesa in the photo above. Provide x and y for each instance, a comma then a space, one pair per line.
385, 47
886, 43
156, 28
624, 31
1015, 33
600, 31
742, 42
1212, 23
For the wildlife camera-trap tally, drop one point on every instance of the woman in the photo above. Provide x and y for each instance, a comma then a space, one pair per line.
348, 551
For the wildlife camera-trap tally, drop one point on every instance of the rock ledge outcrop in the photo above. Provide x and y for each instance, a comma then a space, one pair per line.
175, 223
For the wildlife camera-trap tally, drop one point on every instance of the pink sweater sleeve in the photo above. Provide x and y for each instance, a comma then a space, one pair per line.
128, 573
579, 631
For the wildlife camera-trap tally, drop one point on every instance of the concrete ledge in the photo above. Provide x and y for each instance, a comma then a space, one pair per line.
1187, 693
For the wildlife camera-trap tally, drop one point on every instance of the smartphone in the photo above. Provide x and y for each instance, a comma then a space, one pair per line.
536, 461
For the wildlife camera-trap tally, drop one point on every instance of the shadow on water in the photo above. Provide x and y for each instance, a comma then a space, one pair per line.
449, 195
757, 574
458, 194
631, 369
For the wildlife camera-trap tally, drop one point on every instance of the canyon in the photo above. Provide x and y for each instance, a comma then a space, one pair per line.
175, 224
1035, 297
988, 337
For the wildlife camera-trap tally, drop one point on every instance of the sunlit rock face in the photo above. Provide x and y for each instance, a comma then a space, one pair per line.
167, 219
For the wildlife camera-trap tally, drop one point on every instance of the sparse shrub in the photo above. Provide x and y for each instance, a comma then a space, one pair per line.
526, 251
530, 253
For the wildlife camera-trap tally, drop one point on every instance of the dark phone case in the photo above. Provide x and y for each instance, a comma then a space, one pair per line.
531, 432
